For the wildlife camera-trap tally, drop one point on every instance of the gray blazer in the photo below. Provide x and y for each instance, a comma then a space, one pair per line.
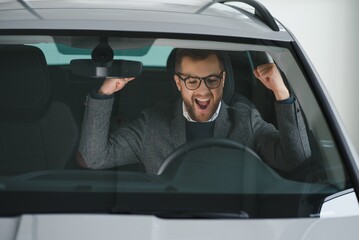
159, 131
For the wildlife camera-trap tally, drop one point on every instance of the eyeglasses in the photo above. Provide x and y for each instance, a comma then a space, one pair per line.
193, 83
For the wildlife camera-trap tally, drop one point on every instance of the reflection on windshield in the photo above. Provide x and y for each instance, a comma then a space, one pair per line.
190, 131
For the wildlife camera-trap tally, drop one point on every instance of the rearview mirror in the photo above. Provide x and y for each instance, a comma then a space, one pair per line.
114, 69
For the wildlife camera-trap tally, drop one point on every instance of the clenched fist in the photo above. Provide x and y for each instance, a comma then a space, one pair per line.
270, 76
112, 85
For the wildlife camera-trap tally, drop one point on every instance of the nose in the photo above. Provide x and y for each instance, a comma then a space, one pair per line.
203, 87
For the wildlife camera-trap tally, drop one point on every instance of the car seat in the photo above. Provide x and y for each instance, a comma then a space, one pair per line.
37, 133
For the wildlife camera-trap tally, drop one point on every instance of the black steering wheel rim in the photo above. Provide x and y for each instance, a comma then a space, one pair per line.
202, 143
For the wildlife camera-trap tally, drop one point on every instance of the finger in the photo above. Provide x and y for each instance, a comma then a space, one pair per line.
264, 69
121, 82
261, 75
128, 79
256, 73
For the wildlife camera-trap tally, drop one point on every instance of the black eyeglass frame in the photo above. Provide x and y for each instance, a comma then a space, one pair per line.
204, 79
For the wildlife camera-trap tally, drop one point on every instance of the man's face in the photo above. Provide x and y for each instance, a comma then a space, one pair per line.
202, 102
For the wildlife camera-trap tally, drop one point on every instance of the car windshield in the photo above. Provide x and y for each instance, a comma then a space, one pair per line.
42, 107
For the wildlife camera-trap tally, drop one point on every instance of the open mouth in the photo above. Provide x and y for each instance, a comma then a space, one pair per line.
202, 103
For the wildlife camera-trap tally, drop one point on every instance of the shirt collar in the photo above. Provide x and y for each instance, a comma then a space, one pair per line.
186, 115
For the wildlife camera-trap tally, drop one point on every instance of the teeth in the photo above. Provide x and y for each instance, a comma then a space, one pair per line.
202, 103
203, 100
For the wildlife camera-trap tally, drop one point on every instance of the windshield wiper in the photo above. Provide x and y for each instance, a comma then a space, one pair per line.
203, 215
185, 214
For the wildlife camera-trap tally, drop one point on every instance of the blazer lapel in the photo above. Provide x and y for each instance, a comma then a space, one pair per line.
178, 126
222, 125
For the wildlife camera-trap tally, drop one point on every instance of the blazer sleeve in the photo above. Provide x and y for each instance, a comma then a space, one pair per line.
101, 148
286, 147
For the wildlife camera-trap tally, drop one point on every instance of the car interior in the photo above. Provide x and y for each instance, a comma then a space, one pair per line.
37, 131
42, 108
47, 127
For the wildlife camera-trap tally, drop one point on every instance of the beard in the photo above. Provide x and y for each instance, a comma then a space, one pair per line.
201, 111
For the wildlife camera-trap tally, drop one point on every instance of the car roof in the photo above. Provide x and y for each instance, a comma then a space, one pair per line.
203, 17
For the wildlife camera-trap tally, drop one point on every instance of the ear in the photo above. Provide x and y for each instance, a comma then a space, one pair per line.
178, 82
224, 78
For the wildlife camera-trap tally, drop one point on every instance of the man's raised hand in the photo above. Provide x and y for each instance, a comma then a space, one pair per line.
112, 85
270, 76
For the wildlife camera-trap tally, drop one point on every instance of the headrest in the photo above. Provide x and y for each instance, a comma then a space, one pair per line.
24, 80
228, 90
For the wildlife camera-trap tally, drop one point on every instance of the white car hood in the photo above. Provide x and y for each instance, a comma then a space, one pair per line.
90, 226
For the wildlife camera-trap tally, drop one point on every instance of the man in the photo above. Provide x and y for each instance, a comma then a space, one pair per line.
201, 113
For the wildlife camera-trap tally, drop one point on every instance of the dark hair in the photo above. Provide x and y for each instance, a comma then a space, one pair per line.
195, 54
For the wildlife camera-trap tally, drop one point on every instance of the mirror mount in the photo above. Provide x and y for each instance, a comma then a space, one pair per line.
102, 54
103, 65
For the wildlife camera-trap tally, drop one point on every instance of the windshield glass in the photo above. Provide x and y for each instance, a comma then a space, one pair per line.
174, 139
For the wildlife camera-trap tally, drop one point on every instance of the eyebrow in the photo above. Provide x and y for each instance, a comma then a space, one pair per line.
190, 75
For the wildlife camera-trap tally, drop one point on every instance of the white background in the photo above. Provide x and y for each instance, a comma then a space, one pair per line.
328, 30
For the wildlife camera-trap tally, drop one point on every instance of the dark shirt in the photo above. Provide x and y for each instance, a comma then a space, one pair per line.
199, 130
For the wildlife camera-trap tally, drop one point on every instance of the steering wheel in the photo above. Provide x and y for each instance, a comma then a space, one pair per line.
203, 143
